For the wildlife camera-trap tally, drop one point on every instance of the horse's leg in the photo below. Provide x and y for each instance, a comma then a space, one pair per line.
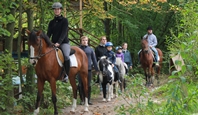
40, 86
157, 74
116, 88
84, 78
146, 76
125, 84
104, 90
110, 91
151, 75
54, 99
74, 89
121, 84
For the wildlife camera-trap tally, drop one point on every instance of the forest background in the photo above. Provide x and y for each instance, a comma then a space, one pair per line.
174, 23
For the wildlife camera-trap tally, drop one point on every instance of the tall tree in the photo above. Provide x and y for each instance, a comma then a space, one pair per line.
30, 76
8, 46
19, 41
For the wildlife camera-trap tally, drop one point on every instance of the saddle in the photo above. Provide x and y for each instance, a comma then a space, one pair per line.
153, 54
60, 54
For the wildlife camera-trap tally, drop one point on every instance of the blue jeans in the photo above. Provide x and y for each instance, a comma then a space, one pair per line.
156, 53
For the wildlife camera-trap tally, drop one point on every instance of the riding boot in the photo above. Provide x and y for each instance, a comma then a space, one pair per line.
67, 68
89, 95
80, 88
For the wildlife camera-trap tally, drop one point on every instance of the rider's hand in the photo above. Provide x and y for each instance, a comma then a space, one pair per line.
57, 44
112, 65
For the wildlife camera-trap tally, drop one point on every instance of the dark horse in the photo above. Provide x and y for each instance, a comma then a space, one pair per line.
146, 59
43, 56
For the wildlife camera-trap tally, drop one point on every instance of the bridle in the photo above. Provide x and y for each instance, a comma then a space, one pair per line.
40, 51
146, 49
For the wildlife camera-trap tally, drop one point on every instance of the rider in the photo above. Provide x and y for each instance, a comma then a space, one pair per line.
58, 28
152, 41
111, 57
119, 53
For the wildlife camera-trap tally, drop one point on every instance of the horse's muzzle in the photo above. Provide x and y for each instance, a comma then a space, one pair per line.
104, 73
33, 61
146, 51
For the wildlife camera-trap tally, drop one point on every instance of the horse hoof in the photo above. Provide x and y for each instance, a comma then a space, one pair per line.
86, 109
36, 111
72, 110
104, 99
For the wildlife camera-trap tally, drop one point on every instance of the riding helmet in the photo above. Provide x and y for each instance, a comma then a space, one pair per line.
108, 44
118, 47
149, 28
57, 5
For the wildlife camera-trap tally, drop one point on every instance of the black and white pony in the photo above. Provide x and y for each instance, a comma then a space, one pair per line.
106, 76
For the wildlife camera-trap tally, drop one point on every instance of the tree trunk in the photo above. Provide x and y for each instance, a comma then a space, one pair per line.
41, 25
30, 78
8, 70
19, 42
107, 23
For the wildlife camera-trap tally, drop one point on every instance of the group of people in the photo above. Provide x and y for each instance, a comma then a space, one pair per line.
57, 29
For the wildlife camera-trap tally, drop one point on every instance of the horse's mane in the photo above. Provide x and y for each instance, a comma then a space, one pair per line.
33, 37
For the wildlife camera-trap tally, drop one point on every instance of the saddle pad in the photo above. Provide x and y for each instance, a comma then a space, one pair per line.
73, 61
60, 59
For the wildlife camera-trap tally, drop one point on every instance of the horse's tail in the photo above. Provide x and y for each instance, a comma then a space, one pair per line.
160, 61
160, 55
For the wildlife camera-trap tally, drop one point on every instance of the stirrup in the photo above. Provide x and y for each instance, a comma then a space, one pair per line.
65, 79
157, 64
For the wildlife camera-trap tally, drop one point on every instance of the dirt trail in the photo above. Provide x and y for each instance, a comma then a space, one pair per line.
98, 108
107, 108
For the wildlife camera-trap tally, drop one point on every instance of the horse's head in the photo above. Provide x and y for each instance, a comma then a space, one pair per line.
103, 65
145, 46
35, 42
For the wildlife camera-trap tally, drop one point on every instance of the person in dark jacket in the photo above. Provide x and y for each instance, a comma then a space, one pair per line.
91, 61
101, 49
127, 55
57, 29
111, 57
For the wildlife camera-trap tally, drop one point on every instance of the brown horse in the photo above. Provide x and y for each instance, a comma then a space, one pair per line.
146, 59
43, 56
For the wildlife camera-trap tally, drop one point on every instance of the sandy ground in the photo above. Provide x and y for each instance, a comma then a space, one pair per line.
107, 108
98, 108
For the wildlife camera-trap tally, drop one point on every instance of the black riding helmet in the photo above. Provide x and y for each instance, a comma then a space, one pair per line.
149, 28
57, 5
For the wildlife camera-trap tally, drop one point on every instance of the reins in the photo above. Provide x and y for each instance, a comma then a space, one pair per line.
40, 49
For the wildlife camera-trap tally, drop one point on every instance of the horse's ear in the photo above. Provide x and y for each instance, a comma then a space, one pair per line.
39, 33
28, 31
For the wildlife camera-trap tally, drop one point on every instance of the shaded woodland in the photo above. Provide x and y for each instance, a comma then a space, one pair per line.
120, 21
